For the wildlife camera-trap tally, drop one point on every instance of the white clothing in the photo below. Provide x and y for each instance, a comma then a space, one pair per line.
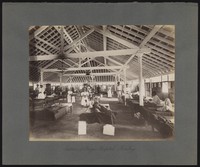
156, 100
85, 100
167, 105
73, 99
41, 96
119, 87
109, 92
69, 97
127, 92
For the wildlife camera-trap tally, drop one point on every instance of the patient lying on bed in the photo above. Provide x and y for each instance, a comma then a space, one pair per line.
167, 105
98, 114
159, 104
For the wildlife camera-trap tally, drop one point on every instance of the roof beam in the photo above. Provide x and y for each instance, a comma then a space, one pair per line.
162, 46
157, 50
78, 39
90, 49
73, 62
114, 61
95, 74
104, 42
42, 57
120, 40
69, 39
146, 67
41, 48
31, 65
88, 60
122, 73
158, 63
142, 50
48, 65
150, 35
166, 73
103, 53
42, 63
165, 40
146, 39
65, 63
76, 49
141, 37
86, 54
170, 34
84, 68
154, 67
42, 40
38, 31
162, 59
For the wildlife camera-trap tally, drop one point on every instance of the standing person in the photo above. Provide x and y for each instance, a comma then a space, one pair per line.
37, 91
73, 95
85, 99
69, 95
72, 89
109, 91
41, 92
119, 91
126, 93
98, 90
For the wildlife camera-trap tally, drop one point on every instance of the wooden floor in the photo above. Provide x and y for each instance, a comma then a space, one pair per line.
66, 128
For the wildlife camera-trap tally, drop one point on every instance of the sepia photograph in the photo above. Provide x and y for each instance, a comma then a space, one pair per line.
101, 82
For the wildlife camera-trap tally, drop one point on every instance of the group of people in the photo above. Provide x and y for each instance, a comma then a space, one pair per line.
123, 92
86, 95
71, 95
40, 93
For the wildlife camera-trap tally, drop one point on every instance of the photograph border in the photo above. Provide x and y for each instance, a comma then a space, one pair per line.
17, 149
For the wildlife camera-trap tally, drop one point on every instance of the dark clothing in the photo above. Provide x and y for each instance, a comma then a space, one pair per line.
98, 89
99, 114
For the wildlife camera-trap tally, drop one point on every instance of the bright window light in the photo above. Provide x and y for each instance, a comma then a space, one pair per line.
165, 87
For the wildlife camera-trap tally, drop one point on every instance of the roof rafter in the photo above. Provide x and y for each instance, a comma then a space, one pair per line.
54, 47
38, 31
79, 39
120, 40
86, 54
84, 68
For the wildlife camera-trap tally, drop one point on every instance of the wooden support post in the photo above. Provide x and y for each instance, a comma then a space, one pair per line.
124, 86
104, 43
41, 77
141, 81
150, 87
60, 75
115, 82
145, 92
